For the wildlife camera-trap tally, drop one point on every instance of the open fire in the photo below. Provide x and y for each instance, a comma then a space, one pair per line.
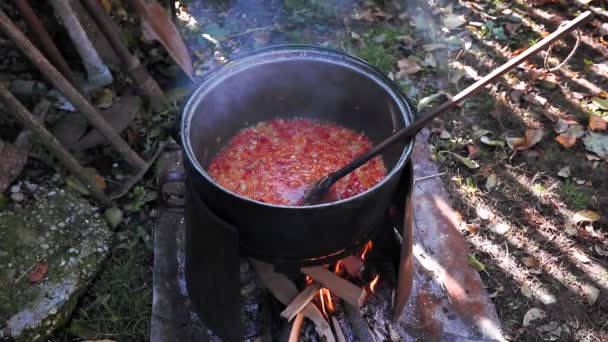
348, 285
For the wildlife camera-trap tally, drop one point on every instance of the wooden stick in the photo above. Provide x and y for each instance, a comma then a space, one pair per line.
66, 88
285, 291
98, 74
342, 288
44, 40
339, 333
146, 85
31, 123
294, 336
298, 303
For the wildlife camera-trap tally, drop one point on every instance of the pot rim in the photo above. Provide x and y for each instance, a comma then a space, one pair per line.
294, 51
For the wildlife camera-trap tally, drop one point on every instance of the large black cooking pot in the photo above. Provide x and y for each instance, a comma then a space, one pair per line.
294, 81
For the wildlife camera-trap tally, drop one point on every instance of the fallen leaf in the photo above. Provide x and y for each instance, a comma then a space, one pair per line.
487, 141
597, 123
408, 66
476, 264
581, 257
566, 140
564, 172
599, 250
526, 291
473, 150
576, 130
70, 128
425, 102
597, 143
514, 142
105, 98
512, 27
585, 216
472, 228
481, 132
561, 126
433, 47
107, 5
39, 271
533, 136
600, 102
569, 227
471, 164
499, 228
533, 315
73, 183
491, 181
452, 21
113, 216
518, 51
531, 262
159, 26
444, 135
590, 292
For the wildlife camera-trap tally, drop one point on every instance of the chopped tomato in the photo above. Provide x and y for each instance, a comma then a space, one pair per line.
276, 161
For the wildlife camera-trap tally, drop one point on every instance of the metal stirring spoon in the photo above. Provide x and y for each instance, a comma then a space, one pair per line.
317, 190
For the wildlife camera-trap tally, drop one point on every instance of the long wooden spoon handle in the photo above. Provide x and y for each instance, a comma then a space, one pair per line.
427, 117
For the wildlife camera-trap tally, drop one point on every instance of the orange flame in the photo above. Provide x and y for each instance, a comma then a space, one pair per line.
308, 280
374, 282
366, 249
327, 305
338, 267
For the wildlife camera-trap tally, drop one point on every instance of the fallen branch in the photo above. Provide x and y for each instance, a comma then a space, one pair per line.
339, 286
130, 183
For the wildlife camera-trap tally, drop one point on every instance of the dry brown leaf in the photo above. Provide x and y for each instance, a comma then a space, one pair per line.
473, 150
567, 140
39, 271
518, 51
408, 66
597, 123
101, 183
585, 216
107, 5
158, 25
533, 136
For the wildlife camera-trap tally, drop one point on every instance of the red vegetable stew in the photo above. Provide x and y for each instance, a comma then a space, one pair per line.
276, 161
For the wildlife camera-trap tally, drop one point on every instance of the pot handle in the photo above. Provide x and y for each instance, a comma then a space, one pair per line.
171, 177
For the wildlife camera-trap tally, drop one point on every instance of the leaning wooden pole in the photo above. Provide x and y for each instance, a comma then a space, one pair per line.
146, 85
29, 122
44, 40
70, 92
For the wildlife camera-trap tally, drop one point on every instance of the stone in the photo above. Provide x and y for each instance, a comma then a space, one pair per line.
17, 196
30, 312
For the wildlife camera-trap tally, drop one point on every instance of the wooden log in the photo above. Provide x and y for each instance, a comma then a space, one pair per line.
301, 300
358, 323
285, 291
294, 336
338, 286
353, 265
405, 273
338, 330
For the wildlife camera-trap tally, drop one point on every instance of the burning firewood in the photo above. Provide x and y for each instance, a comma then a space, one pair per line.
300, 301
342, 288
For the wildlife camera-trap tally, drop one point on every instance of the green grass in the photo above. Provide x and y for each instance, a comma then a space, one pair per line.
379, 47
119, 303
576, 197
